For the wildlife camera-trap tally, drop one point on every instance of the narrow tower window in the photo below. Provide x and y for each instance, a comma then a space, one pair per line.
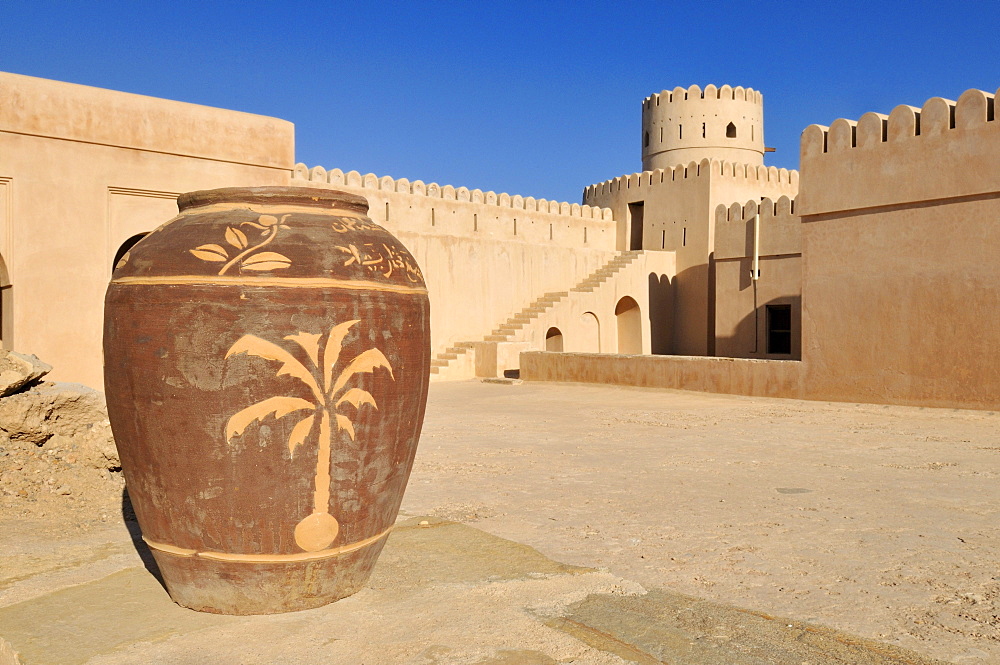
680, 131
645, 141
702, 130
730, 131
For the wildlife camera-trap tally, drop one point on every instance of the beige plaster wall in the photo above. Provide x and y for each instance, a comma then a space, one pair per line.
83, 169
736, 376
484, 255
690, 124
901, 292
647, 280
741, 302
679, 206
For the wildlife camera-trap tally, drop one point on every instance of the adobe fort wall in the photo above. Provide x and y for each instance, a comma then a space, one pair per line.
485, 255
84, 169
734, 376
901, 293
670, 190
743, 305
673, 209
689, 124
888, 240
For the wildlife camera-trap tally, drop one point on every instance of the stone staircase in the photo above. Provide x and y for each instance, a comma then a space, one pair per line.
507, 331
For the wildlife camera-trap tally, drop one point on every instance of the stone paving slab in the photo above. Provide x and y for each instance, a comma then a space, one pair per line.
442, 592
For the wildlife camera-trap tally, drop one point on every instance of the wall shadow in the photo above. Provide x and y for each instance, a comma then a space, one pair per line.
749, 339
132, 524
661, 314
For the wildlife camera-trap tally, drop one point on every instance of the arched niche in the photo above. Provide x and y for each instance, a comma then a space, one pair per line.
554, 340
590, 333
629, 318
6, 308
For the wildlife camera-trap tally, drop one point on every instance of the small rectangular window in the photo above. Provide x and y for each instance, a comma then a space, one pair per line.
779, 329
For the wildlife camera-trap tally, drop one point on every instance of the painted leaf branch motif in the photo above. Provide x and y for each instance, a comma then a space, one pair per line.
247, 256
332, 402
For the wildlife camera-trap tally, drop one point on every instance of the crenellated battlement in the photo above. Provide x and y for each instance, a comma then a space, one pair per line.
780, 228
336, 177
944, 149
937, 117
783, 207
725, 93
688, 124
691, 171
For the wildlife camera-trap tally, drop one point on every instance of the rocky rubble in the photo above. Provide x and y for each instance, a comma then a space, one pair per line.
18, 370
56, 447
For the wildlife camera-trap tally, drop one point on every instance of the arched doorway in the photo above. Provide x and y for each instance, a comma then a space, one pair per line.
6, 308
554, 340
629, 326
127, 245
590, 333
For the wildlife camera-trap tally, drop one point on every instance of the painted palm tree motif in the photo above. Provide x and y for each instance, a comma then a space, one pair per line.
248, 255
331, 396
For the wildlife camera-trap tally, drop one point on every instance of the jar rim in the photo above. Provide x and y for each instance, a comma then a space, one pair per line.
313, 197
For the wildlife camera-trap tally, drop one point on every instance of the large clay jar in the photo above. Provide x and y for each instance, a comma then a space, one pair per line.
266, 357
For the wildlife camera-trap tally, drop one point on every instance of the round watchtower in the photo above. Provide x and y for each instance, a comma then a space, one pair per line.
688, 124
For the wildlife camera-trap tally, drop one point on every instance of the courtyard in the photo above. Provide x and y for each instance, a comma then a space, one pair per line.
575, 523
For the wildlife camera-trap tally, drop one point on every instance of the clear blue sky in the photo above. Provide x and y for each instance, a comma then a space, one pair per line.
533, 98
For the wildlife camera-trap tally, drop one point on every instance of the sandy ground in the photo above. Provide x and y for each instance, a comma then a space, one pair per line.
879, 521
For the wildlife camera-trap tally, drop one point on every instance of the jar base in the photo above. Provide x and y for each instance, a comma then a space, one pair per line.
245, 588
